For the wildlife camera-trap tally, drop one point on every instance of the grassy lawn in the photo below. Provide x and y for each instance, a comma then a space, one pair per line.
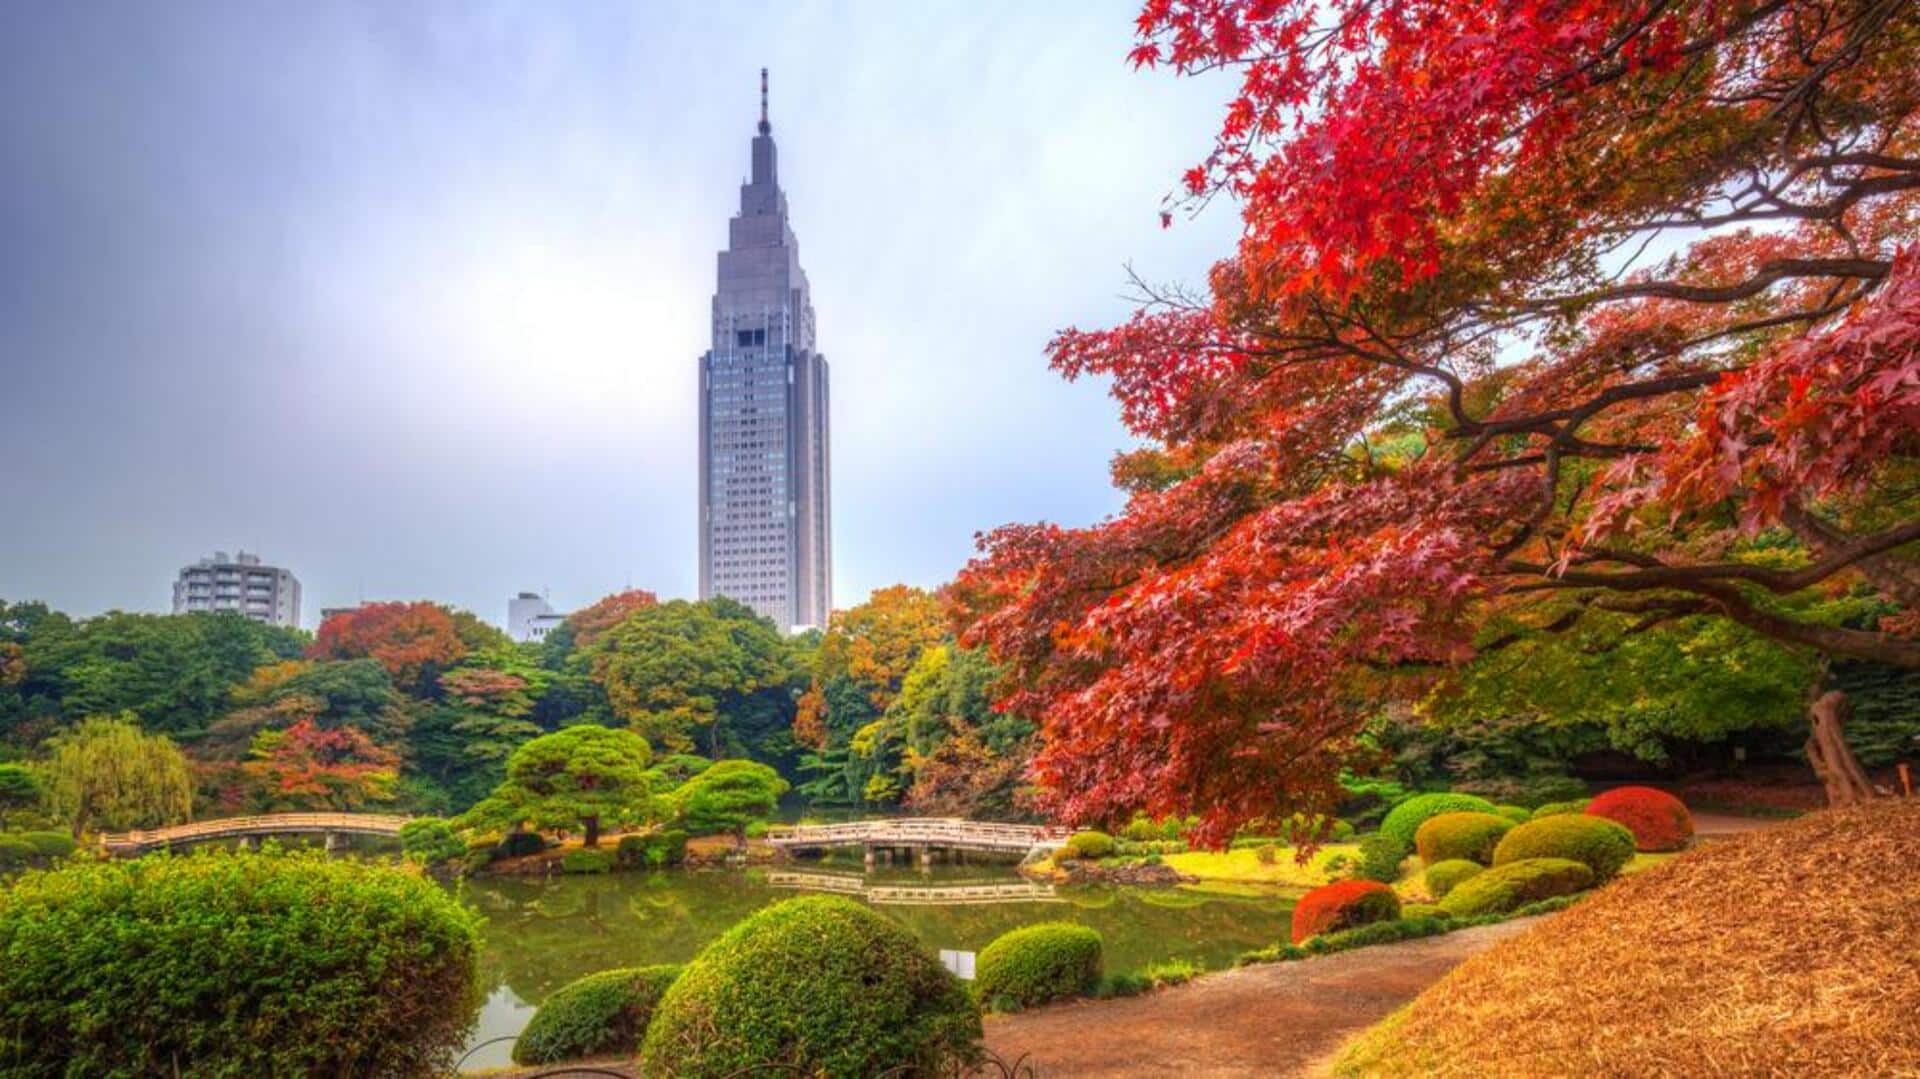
1245, 866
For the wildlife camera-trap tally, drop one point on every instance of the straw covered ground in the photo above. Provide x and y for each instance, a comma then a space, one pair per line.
1784, 952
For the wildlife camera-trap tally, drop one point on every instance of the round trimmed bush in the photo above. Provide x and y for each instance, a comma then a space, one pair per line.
1658, 820
1343, 905
229, 965
1515, 884
1516, 814
1089, 845
1555, 809
818, 985
1599, 844
1471, 836
1405, 819
595, 1015
1037, 963
1444, 877
1426, 910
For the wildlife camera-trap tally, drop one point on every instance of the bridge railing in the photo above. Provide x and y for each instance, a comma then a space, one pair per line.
264, 824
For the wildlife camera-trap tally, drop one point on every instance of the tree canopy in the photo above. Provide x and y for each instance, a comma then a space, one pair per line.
1541, 314
572, 779
105, 774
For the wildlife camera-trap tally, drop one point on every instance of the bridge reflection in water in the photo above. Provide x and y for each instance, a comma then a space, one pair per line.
920, 838
954, 893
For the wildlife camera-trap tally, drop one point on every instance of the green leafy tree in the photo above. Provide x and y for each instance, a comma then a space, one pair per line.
676, 671
175, 672
1645, 688
19, 790
106, 774
571, 779
728, 796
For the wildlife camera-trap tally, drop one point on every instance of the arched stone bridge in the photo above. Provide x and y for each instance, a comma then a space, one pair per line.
331, 825
920, 836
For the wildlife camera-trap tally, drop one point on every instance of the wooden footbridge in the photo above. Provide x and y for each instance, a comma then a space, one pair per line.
334, 826
946, 893
920, 836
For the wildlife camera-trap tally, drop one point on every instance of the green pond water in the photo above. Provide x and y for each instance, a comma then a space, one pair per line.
543, 933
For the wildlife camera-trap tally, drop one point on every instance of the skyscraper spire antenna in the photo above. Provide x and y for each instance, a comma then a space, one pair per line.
765, 127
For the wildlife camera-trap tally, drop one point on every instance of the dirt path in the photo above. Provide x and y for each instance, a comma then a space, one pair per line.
1278, 1019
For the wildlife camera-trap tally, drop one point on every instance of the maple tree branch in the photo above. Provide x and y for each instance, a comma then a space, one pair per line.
1768, 275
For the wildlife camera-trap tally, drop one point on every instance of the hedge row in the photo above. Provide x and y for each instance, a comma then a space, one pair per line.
1515, 884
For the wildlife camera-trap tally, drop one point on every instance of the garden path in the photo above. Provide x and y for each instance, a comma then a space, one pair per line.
1275, 1019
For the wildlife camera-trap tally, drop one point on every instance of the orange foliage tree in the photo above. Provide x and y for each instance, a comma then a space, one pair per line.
413, 641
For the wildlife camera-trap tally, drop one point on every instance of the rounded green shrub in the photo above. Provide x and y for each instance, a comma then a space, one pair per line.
1471, 836
1515, 884
585, 861
1597, 843
228, 965
599, 1014
1405, 819
1425, 910
1514, 813
1090, 845
1444, 877
1555, 809
1037, 963
814, 986
1144, 829
430, 841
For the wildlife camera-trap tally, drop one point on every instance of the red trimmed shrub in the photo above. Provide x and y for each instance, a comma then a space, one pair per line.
1658, 820
1343, 905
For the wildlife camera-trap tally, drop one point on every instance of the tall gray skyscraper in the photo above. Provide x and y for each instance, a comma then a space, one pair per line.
766, 532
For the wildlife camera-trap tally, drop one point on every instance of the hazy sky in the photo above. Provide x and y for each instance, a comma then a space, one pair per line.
409, 297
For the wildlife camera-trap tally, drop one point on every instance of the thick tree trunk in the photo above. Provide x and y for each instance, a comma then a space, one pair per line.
1827, 751
593, 831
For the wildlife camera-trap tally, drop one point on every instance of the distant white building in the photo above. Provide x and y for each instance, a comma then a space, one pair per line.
530, 617
241, 584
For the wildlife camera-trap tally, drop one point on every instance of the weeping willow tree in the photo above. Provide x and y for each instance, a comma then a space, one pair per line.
106, 774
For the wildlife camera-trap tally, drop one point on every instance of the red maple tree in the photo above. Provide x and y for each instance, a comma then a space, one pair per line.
308, 766
411, 640
1541, 313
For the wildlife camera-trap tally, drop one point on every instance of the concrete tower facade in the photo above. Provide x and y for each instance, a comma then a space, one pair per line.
241, 583
766, 531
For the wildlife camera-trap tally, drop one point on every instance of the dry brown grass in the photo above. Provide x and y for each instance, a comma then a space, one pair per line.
1793, 951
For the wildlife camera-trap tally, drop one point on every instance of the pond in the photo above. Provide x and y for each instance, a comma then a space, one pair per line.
542, 933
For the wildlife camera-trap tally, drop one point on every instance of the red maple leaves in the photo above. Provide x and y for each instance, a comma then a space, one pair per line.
1439, 382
